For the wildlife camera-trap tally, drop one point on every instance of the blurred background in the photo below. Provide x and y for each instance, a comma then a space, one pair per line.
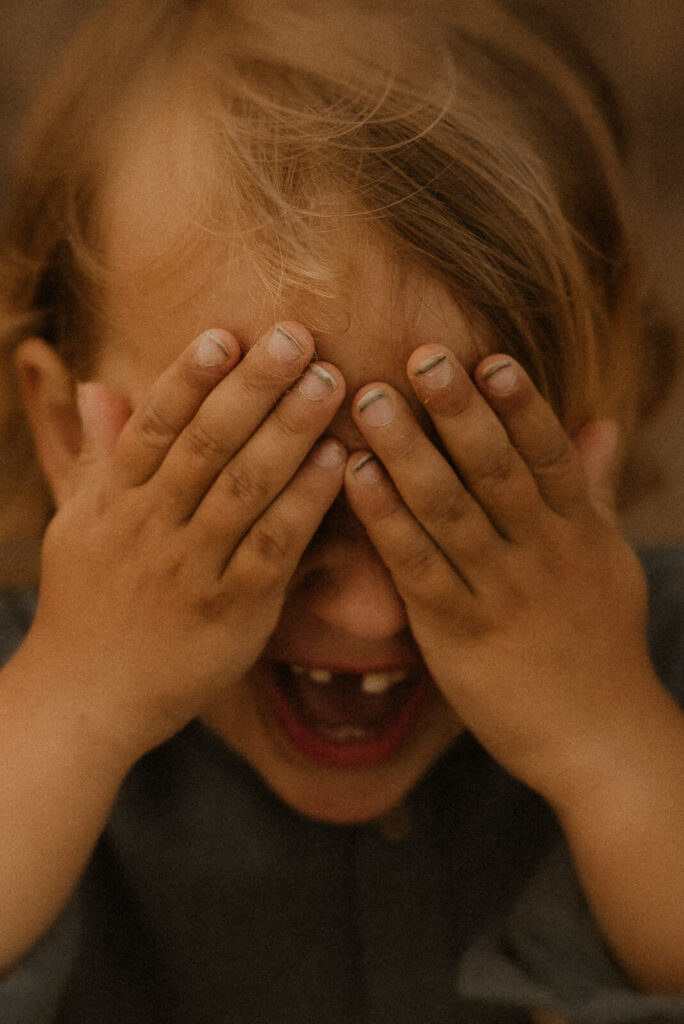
639, 41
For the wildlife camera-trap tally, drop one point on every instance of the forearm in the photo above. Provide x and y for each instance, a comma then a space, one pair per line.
57, 784
626, 833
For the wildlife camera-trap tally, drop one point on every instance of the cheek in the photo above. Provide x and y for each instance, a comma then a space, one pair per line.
130, 367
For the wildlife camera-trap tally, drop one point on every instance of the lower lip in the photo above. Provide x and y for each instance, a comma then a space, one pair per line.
358, 754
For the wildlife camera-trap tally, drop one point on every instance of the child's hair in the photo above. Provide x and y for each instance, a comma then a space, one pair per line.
474, 139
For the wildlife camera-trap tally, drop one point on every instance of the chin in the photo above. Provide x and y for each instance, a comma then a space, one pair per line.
345, 800
347, 774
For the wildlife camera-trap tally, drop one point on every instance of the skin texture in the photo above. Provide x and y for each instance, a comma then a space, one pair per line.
477, 558
330, 600
199, 530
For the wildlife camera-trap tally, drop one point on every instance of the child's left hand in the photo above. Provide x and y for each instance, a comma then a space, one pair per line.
527, 604
530, 611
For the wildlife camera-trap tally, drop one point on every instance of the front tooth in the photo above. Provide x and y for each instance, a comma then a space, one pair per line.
320, 675
378, 682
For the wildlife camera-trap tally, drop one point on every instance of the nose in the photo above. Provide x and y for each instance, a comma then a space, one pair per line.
351, 592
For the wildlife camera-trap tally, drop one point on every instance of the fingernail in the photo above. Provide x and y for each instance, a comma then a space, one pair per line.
376, 408
283, 345
329, 454
211, 350
436, 371
500, 377
367, 469
317, 383
362, 462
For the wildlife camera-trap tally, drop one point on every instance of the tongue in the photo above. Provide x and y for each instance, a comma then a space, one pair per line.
342, 702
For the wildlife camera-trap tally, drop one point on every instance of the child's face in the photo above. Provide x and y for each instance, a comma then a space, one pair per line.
342, 619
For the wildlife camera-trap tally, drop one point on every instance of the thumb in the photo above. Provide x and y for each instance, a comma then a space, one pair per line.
596, 445
103, 415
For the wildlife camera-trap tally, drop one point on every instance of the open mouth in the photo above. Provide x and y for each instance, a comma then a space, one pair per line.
342, 718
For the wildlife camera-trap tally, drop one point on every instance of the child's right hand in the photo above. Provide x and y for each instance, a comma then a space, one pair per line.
165, 567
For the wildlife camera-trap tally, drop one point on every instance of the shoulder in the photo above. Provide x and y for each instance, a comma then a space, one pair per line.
664, 569
17, 608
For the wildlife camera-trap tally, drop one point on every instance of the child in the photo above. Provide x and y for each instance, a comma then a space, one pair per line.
336, 706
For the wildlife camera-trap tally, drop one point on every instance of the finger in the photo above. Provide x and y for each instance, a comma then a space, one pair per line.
425, 480
170, 405
229, 416
265, 465
476, 442
421, 573
534, 429
271, 550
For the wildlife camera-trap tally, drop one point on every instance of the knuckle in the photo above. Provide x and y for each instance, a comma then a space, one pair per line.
262, 381
441, 508
474, 544
212, 605
197, 377
461, 400
290, 419
241, 486
408, 447
433, 591
556, 458
204, 445
271, 543
153, 426
418, 562
479, 624
250, 575
170, 572
495, 466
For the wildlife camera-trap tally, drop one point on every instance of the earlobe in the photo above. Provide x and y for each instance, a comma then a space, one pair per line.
597, 445
48, 390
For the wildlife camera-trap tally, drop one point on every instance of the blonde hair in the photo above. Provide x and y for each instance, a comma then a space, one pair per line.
474, 137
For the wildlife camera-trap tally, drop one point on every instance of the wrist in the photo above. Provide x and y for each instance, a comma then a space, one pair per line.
623, 817
48, 698
624, 760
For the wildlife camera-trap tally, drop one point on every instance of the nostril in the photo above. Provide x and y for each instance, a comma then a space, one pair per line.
315, 582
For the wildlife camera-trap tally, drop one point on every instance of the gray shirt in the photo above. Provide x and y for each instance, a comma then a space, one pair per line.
208, 901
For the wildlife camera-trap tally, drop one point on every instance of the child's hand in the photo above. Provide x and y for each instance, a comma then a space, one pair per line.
527, 604
166, 563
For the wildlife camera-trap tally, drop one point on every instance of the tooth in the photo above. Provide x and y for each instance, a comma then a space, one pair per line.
375, 682
378, 682
397, 677
320, 675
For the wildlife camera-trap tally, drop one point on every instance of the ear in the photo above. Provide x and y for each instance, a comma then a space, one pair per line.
49, 393
597, 445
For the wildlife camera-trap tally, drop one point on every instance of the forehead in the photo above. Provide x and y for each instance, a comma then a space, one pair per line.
172, 277
368, 332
